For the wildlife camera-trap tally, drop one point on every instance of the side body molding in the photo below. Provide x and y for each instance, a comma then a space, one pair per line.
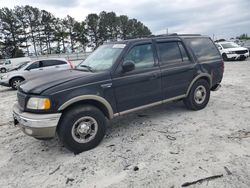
89, 97
198, 77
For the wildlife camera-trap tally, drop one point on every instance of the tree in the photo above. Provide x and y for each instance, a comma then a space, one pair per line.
61, 34
33, 22
70, 22
243, 37
80, 33
92, 22
11, 30
48, 23
123, 26
21, 16
31, 30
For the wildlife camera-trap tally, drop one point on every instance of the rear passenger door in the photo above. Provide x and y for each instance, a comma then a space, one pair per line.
177, 69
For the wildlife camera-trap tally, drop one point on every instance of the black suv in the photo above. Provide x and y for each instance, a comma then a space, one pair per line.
116, 79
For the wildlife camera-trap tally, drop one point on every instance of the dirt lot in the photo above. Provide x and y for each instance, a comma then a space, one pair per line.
165, 146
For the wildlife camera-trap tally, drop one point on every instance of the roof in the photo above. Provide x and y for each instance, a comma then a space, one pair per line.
173, 35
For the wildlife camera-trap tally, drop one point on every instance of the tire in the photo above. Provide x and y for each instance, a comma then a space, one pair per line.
224, 57
198, 96
15, 82
76, 138
3, 70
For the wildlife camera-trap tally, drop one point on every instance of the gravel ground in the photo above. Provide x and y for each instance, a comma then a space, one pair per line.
164, 146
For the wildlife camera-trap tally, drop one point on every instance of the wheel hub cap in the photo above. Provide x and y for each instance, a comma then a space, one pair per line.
200, 94
84, 129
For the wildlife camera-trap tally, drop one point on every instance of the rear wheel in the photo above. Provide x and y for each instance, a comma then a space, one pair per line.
16, 82
3, 70
82, 128
198, 96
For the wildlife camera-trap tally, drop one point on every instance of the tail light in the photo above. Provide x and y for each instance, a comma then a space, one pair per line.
71, 65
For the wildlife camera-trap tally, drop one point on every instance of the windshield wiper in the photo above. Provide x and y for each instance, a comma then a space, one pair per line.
87, 67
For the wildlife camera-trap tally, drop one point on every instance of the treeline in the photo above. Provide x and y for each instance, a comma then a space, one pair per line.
29, 30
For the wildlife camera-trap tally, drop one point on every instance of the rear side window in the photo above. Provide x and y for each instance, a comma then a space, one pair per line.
48, 63
169, 52
204, 48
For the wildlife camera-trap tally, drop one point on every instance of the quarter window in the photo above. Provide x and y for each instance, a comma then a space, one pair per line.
204, 48
142, 56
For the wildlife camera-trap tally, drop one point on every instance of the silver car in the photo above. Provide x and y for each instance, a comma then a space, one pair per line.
29, 70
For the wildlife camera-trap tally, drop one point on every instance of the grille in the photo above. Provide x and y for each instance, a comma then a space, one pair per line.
21, 99
241, 52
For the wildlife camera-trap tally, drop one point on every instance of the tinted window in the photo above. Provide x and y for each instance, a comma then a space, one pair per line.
203, 48
34, 65
183, 52
48, 63
169, 52
141, 55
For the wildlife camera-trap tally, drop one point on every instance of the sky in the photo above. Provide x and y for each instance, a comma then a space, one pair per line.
219, 18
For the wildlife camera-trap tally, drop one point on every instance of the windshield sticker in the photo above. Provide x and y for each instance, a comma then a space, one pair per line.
119, 45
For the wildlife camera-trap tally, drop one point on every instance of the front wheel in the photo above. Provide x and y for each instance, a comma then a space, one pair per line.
82, 128
16, 82
198, 96
3, 70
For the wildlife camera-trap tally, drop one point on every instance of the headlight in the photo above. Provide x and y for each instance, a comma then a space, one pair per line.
230, 52
5, 76
36, 103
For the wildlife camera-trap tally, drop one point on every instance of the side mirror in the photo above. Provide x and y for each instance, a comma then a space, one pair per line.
128, 66
220, 48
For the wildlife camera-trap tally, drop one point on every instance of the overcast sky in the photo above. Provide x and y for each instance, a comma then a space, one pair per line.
224, 18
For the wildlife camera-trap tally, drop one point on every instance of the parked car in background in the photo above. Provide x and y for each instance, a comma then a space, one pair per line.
29, 70
246, 44
232, 51
8, 64
116, 79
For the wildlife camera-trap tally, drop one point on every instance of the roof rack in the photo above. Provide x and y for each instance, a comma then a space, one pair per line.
189, 34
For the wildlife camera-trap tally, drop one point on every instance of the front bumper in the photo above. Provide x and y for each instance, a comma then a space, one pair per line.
237, 56
36, 125
4, 83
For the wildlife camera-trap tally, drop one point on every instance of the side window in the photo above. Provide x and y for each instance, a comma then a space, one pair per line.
204, 48
48, 63
169, 52
141, 55
34, 65
184, 55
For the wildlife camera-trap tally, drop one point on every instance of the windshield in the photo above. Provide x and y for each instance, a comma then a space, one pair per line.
102, 58
229, 45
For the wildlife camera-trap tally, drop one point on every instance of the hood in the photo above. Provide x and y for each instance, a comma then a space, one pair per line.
51, 79
236, 49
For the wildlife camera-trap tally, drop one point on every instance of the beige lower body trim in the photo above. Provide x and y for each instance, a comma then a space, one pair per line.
149, 105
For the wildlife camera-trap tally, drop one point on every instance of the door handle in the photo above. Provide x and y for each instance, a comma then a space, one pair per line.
108, 85
154, 76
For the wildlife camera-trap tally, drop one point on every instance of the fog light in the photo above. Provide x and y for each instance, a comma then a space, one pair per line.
28, 131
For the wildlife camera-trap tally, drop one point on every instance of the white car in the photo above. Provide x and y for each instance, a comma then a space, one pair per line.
8, 64
232, 51
33, 69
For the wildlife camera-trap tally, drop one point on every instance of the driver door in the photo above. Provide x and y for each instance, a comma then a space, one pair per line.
141, 86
